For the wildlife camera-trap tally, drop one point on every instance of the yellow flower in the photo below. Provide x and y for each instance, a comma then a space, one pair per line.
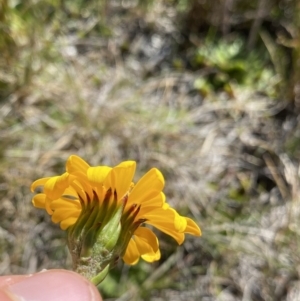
90, 196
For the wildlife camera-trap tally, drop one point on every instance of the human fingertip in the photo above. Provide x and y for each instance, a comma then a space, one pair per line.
58, 285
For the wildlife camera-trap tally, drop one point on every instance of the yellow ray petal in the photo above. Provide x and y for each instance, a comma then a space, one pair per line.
75, 163
148, 205
62, 214
38, 183
82, 189
81, 181
39, 200
132, 254
179, 221
55, 186
120, 177
97, 175
179, 237
152, 257
168, 221
168, 217
47, 205
69, 194
65, 203
152, 180
66, 223
192, 227
146, 241
166, 206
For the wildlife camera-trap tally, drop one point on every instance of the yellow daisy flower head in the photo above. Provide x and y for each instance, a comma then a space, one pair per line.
105, 214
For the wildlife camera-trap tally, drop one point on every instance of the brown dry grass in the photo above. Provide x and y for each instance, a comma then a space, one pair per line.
224, 159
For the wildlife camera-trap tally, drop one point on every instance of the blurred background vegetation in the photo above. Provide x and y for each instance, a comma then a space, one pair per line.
208, 91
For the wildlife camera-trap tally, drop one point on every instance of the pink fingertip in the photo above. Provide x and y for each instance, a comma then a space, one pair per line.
51, 285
